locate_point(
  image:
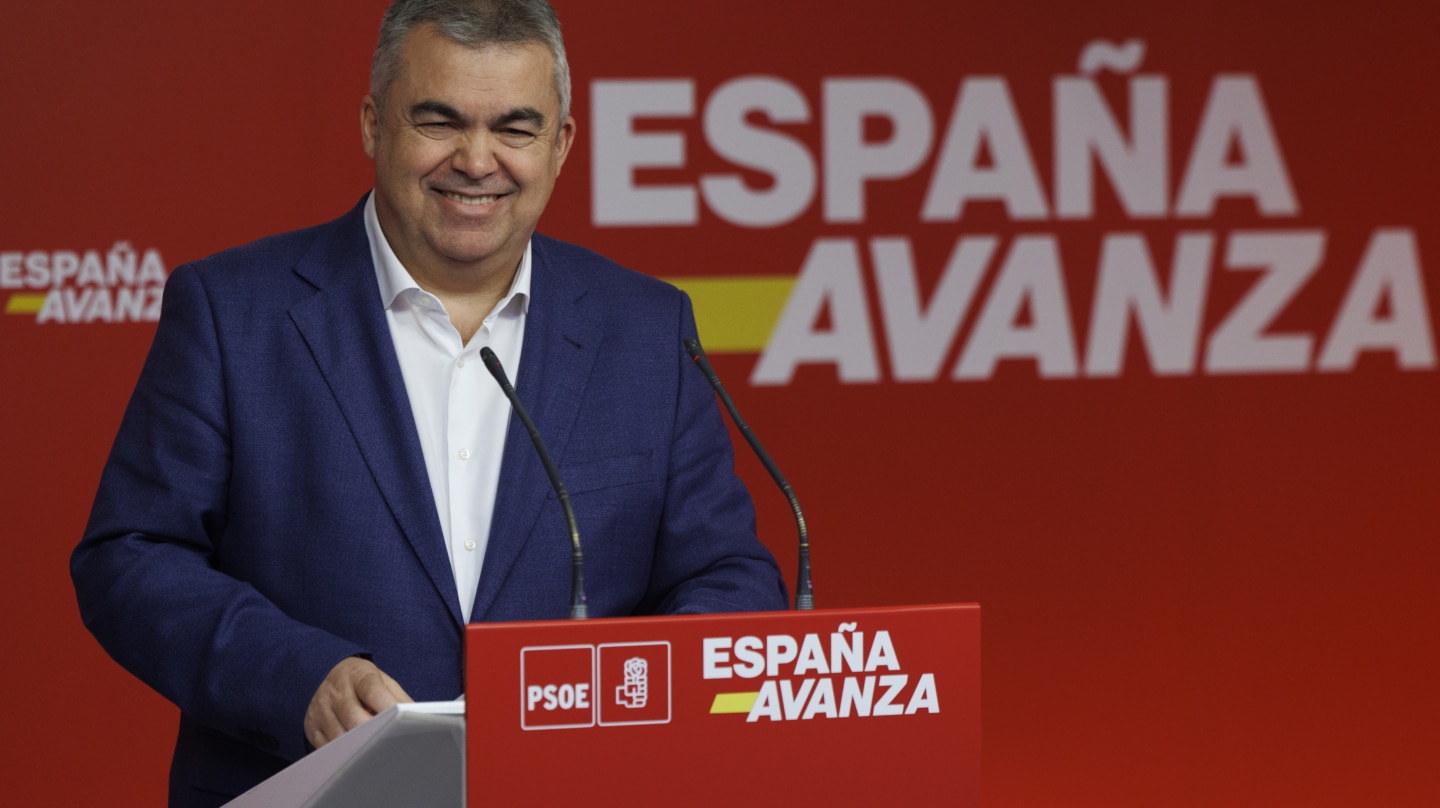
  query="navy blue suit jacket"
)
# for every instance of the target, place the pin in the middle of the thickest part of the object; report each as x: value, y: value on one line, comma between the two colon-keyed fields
x: 265, y: 511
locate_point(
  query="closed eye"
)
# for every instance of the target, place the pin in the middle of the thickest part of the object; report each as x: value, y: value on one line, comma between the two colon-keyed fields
x: 434, y: 117
x: 516, y: 138
x: 436, y: 129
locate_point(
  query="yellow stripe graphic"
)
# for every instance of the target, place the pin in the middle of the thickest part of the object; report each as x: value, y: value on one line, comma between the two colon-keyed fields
x: 736, y: 314
x: 733, y: 702
x: 25, y: 304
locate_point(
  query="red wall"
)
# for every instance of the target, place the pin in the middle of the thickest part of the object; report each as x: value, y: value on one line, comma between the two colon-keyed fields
x: 1204, y: 583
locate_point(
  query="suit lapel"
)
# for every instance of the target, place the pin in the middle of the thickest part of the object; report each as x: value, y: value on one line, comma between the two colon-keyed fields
x: 344, y: 325
x: 559, y: 350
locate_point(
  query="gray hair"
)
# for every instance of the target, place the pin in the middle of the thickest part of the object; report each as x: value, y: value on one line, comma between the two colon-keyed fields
x: 476, y: 23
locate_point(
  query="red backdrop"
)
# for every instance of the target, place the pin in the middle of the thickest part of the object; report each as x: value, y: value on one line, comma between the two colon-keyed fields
x: 1137, y: 352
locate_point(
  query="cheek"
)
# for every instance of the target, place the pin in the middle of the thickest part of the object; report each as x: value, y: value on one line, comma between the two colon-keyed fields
x: 539, y: 172
x: 413, y: 160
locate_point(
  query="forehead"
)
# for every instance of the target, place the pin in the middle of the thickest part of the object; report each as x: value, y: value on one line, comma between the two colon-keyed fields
x: 437, y: 68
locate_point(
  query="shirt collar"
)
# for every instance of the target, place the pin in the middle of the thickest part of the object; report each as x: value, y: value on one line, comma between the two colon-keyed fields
x: 394, y: 279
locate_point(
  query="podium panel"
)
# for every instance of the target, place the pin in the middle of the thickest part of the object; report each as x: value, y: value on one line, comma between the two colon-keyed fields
x: 839, y: 707
x: 411, y: 754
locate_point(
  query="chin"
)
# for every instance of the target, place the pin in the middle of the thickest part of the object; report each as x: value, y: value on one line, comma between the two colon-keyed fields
x: 470, y: 253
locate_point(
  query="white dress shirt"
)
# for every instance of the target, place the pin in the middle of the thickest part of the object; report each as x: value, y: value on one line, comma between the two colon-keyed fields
x: 460, y: 412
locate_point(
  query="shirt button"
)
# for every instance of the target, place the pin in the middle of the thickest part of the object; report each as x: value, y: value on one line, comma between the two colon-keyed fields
x: 460, y: 363
x: 469, y: 545
x: 464, y: 454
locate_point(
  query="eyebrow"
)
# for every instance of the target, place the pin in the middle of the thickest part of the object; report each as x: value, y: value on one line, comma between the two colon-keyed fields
x: 440, y: 108
x: 520, y: 115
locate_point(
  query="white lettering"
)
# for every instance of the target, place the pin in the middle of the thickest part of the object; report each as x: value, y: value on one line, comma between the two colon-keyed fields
x: 882, y: 654
x: 779, y: 649
x: 618, y: 150
x: 893, y: 684
x: 92, y: 270
x: 52, y: 310
x: 777, y: 155
x: 1238, y: 344
x: 851, y: 160
x: 855, y: 697
x: 822, y: 702
x: 984, y: 116
x: 557, y: 697
x: 767, y: 704
x: 1169, y: 329
x: 919, y: 340
x: 750, y: 660
x: 846, y: 655
x: 99, y: 309
x: 155, y: 295
x: 37, y: 269
x: 1030, y: 280
x: 1236, y: 114
x: 829, y: 281
x: 924, y: 698
x: 716, y: 654
x: 812, y: 657
x: 152, y: 269
x: 120, y: 264
x: 791, y: 700
x: 130, y: 303
x: 1389, y: 276
x: 66, y: 264
x: 1138, y: 170
x: 10, y: 266
x: 76, y: 302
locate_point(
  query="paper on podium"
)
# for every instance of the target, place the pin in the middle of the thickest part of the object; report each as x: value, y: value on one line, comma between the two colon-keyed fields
x: 409, y: 755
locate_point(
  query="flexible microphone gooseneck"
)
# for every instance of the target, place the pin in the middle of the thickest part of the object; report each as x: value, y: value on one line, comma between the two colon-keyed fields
x: 804, y: 597
x: 578, y: 609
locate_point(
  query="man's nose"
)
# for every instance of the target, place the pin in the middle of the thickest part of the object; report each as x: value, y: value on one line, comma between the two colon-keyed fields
x: 474, y: 155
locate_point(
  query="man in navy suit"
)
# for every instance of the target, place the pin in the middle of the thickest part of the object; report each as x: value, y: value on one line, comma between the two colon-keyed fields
x: 316, y: 484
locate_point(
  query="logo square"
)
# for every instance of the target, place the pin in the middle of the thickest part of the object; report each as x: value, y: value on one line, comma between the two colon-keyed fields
x: 557, y: 687
x: 633, y: 683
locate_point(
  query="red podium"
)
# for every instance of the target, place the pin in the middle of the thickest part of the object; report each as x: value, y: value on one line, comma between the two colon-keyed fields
x: 832, y: 707
x: 836, y: 707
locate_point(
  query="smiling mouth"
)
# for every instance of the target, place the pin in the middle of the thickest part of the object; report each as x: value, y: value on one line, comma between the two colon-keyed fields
x: 471, y: 200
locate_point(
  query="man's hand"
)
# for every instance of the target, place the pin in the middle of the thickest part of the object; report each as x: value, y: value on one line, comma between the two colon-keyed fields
x: 352, y: 692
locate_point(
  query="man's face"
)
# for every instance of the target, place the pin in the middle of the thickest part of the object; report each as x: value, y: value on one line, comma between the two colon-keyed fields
x: 466, y: 155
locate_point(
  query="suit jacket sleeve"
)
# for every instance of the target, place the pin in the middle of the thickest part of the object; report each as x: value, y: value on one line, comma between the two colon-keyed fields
x: 144, y: 571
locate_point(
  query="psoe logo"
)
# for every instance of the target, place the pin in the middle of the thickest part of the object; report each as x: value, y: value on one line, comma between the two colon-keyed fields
x: 611, y: 684
x: 70, y: 287
x: 804, y: 678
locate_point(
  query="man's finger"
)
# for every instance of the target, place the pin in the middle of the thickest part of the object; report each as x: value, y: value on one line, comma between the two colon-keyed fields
x: 378, y: 692
x: 352, y: 693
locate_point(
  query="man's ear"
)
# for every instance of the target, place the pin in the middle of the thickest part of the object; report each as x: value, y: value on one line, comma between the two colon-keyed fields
x: 564, y: 139
x: 369, y: 125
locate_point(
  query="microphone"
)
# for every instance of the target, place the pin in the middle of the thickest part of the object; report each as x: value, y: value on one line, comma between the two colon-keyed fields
x: 804, y: 597
x: 578, y: 610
